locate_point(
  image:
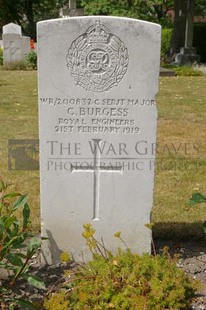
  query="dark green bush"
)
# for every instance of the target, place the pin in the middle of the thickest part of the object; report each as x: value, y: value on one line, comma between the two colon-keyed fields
x: 1, y: 56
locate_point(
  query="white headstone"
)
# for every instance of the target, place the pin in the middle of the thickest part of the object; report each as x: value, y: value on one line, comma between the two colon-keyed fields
x: 12, y: 28
x: 25, y: 46
x: 15, y: 46
x: 97, y: 116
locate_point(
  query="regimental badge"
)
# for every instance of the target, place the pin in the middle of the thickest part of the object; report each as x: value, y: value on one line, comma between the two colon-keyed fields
x: 97, y: 59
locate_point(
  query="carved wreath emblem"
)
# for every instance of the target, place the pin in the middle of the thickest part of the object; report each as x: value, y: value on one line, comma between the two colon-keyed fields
x: 97, y: 59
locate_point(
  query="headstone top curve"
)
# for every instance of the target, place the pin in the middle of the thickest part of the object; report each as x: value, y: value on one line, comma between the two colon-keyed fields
x: 12, y: 28
x: 93, y: 17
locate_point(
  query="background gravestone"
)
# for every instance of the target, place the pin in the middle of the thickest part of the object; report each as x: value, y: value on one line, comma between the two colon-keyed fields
x: 97, y: 117
x: 15, y: 46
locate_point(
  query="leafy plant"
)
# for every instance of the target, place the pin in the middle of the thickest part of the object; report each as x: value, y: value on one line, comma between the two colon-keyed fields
x: 15, y: 251
x: 31, y: 60
x: 196, y: 199
x: 124, y: 281
x: 1, y: 56
x: 57, y: 301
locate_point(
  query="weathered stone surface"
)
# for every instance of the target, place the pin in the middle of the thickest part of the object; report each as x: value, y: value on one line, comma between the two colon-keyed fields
x: 98, y: 77
x: 12, y: 29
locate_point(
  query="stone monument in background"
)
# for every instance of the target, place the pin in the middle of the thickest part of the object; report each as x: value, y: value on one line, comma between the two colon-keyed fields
x: 71, y: 10
x: 97, y: 130
x: 188, y: 54
x: 15, y: 46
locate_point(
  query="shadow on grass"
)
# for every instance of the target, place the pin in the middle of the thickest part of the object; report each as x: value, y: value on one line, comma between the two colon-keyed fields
x: 178, y: 231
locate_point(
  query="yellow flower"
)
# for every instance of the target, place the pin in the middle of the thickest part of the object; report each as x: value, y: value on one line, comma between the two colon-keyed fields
x: 65, y: 257
x: 88, y: 232
x: 117, y: 234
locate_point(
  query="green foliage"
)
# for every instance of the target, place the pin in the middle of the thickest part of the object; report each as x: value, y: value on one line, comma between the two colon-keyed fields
x: 165, y: 41
x: 58, y: 301
x: 27, y: 12
x: 184, y: 70
x: 124, y: 281
x: 1, y: 56
x: 31, y: 60
x: 13, y: 237
x: 196, y: 198
x: 200, y: 7
x: 107, y: 7
x: 187, y: 71
x: 152, y: 10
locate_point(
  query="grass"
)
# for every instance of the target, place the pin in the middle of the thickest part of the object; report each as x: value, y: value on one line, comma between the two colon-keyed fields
x: 19, y: 120
x: 181, y: 148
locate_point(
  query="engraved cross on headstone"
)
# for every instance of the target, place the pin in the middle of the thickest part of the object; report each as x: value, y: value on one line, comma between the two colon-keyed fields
x: 11, y: 49
x: 96, y: 170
